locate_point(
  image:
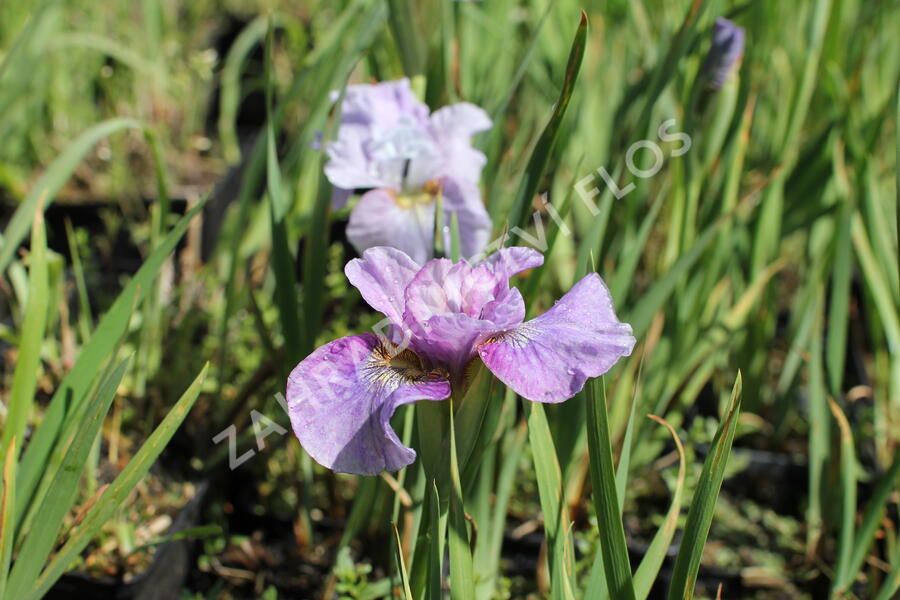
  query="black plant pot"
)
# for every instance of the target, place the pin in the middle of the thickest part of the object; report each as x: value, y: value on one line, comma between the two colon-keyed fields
x: 163, y: 579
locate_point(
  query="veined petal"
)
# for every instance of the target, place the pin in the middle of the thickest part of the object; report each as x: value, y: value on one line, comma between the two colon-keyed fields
x: 341, y: 399
x: 381, y: 276
x: 549, y: 358
x: 380, y: 220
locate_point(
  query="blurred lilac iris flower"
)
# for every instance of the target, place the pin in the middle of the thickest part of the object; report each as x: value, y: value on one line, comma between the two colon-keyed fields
x: 724, y: 54
x: 443, y: 316
x: 388, y: 143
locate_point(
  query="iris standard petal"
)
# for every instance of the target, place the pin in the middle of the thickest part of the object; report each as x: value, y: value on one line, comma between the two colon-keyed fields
x: 442, y: 287
x: 453, y: 127
x: 549, y: 358
x: 507, y: 262
x: 377, y: 123
x: 349, y: 165
x: 380, y: 105
x: 462, y: 119
x: 445, y: 311
x: 381, y: 218
x: 341, y: 399
x: 381, y: 276
x: 506, y: 311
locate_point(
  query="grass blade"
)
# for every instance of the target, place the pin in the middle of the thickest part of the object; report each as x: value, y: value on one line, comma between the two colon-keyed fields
x: 282, y: 259
x: 550, y: 490
x: 877, y: 282
x: 112, y: 327
x: 687, y: 563
x: 648, y: 570
x: 897, y: 188
x: 7, y: 514
x: 85, y: 323
x: 435, y: 558
x: 462, y: 580
x: 819, y: 435
x: 662, y: 288
x: 603, y: 479
x: 44, y: 190
x: 839, y: 307
x: 401, y: 565
x: 771, y: 212
x: 454, y: 238
x: 625, y: 457
x: 512, y: 455
x: 541, y: 154
x: 532, y: 285
x: 118, y: 491
x: 891, y: 583
x: 25, y: 376
x: 316, y: 256
x: 407, y: 34
x: 63, y: 493
x: 848, y: 500
x: 230, y: 98
x: 872, y: 519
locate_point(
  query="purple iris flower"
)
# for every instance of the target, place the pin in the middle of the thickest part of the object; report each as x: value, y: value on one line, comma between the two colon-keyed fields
x: 724, y: 54
x: 388, y: 143
x: 442, y: 317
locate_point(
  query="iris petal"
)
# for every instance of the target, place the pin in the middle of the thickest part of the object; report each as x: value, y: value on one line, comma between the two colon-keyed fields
x: 341, y: 399
x: 464, y: 199
x: 549, y: 358
x: 380, y: 220
x: 381, y: 276
x: 506, y: 311
x: 507, y: 262
x: 445, y: 303
x: 370, y: 115
x: 453, y: 127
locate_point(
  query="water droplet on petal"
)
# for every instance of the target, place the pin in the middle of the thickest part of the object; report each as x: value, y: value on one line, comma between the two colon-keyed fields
x: 570, y: 371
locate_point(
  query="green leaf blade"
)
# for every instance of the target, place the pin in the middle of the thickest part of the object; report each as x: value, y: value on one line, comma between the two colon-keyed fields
x: 603, y: 479
x: 41, y: 537
x: 687, y: 563
x: 118, y: 491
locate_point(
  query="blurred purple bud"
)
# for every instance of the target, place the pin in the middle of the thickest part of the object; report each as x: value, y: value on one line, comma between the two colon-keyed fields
x: 724, y: 54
